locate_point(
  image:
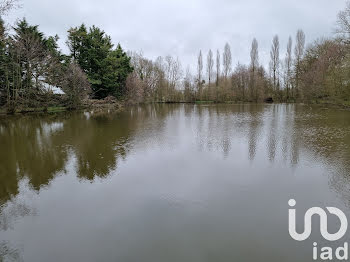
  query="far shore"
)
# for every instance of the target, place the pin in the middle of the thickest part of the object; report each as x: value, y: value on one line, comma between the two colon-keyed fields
x: 114, y: 105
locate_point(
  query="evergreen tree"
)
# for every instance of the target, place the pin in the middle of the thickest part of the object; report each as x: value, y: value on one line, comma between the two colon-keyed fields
x: 33, y: 56
x: 107, y: 69
x: 115, y: 72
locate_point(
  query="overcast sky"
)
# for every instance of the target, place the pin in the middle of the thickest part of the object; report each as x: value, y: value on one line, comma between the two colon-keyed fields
x: 183, y: 27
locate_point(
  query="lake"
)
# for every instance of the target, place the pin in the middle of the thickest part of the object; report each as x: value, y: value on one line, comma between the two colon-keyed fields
x: 175, y: 182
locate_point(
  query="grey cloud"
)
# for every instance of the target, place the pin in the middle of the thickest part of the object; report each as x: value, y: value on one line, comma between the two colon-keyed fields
x: 183, y: 27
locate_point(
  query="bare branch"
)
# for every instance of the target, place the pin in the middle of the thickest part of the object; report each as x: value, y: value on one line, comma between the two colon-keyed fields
x: 7, y: 5
x: 210, y: 65
x: 227, y: 60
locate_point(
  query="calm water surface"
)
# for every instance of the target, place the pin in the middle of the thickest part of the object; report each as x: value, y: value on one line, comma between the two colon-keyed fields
x: 170, y: 183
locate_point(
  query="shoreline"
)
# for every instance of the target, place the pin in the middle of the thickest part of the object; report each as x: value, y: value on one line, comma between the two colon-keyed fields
x: 114, y: 105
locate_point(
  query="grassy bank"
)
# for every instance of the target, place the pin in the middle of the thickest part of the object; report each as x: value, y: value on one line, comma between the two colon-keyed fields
x: 114, y: 105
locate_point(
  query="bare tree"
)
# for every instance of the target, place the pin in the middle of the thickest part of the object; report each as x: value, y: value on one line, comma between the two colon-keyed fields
x: 288, y: 67
x: 227, y: 60
x: 275, y: 60
x: 210, y: 65
x: 254, y: 64
x: 75, y: 85
x: 188, y: 86
x: 344, y: 23
x: 241, y: 81
x: 167, y: 66
x: 7, y: 5
x: 173, y: 71
x: 298, y: 52
x: 176, y: 72
x: 199, y: 69
x: 188, y: 78
x: 36, y: 61
x: 145, y: 79
x: 254, y: 55
x: 217, y: 67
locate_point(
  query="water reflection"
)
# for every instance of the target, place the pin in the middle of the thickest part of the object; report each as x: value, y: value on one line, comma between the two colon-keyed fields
x: 9, y: 253
x: 38, y: 148
x: 35, y: 150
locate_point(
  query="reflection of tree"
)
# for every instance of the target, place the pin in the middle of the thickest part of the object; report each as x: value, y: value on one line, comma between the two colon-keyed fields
x: 326, y: 135
x: 100, y: 143
x: 271, y: 138
x: 11, y: 211
x: 32, y: 150
x: 254, y: 126
x: 217, y: 125
x: 285, y: 131
x: 38, y: 148
x: 8, y: 253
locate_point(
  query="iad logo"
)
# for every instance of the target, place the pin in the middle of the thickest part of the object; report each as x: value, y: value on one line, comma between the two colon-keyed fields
x: 341, y: 253
x: 323, y: 223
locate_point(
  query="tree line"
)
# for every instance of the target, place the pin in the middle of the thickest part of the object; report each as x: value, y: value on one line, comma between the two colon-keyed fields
x: 252, y: 83
x: 164, y: 79
x: 316, y: 73
x: 32, y: 66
